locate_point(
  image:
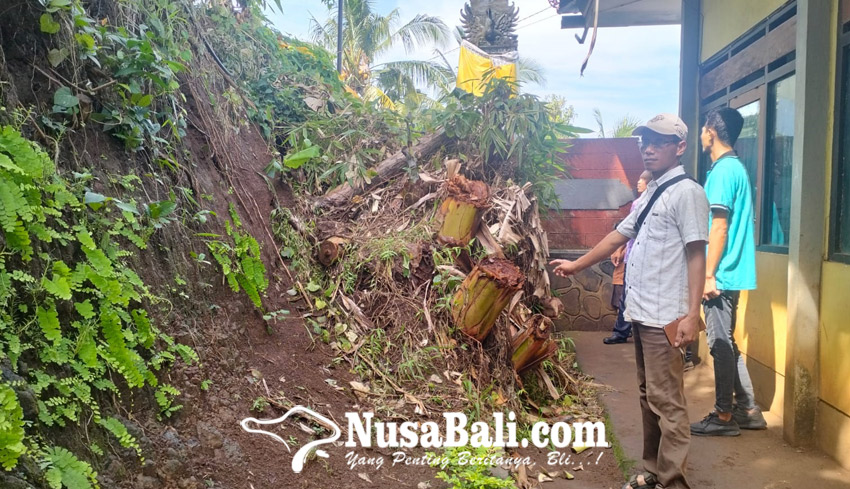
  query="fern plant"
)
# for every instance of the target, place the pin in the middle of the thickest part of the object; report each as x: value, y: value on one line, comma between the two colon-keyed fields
x: 240, y: 262
x: 63, y: 469
x: 11, y: 428
x: 71, y: 306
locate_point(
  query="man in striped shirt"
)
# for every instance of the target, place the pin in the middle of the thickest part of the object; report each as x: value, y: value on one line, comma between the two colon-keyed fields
x: 665, y: 280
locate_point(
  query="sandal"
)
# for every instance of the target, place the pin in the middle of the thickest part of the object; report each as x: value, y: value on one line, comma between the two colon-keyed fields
x: 649, y: 481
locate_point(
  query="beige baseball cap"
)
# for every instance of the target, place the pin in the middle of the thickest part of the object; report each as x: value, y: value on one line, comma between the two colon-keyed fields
x: 665, y: 124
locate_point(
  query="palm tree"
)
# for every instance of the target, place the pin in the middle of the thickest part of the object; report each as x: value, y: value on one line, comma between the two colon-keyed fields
x: 530, y: 71
x: 623, y: 127
x: 368, y: 35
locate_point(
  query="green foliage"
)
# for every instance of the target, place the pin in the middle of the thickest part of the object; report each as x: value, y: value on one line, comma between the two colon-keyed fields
x: 467, y: 475
x: 143, y: 104
x: 120, y: 432
x: 259, y: 404
x: 165, y: 395
x: 274, y: 70
x: 11, y: 428
x: 622, y: 128
x: 240, y: 261
x: 558, y: 109
x: 63, y: 469
x: 65, y: 102
x: 446, y: 277
x: 293, y: 243
x: 348, y: 142
x: 511, y: 135
x: 337, y: 137
x: 368, y: 35
x: 378, y: 259
x: 69, y: 304
x: 160, y: 213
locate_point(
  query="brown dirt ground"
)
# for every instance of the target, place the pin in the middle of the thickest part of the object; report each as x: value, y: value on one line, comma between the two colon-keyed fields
x: 202, y: 445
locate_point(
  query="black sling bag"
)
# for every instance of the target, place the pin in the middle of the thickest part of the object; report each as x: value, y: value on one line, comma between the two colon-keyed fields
x: 658, y: 192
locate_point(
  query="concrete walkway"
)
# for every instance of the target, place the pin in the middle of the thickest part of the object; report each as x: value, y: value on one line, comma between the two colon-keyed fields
x: 754, y: 460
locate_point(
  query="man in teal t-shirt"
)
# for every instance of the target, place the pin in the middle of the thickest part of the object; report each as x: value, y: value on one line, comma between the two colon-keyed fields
x: 730, y: 268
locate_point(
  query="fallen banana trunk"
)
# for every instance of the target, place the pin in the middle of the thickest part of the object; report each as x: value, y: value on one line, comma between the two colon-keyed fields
x: 533, y: 344
x: 427, y: 146
x: 461, y: 210
x: 331, y: 249
x: 483, y: 294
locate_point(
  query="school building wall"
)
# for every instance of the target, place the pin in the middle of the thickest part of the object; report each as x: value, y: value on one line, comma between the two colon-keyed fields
x: 762, y: 330
x: 725, y: 20
x: 763, y: 325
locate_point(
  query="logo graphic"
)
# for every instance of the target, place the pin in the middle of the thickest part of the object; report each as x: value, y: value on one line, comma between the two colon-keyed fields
x: 301, y: 455
x: 456, y: 432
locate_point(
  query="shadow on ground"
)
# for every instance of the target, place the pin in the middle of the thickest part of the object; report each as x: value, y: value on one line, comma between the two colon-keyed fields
x: 754, y: 460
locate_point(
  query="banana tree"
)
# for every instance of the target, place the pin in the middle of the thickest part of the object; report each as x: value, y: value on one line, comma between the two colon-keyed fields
x: 461, y: 210
x: 483, y: 294
x: 533, y: 344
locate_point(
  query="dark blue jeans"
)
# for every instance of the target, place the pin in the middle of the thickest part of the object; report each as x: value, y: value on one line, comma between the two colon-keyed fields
x: 731, y: 378
x: 622, y: 328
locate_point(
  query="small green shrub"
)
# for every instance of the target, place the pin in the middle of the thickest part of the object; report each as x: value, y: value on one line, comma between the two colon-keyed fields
x: 63, y: 469
x: 240, y: 262
x: 470, y: 475
x: 11, y: 428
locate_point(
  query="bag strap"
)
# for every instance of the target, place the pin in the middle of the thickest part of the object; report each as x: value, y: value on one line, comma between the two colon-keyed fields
x: 658, y: 192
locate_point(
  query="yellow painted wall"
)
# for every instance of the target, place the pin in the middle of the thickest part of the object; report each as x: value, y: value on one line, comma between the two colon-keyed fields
x: 723, y: 21
x: 834, y: 433
x: 833, y: 414
x: 761, y: 332
x: 835, y: 336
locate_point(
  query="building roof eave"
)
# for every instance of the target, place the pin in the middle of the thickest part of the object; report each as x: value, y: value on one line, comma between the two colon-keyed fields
x: 577, y: 14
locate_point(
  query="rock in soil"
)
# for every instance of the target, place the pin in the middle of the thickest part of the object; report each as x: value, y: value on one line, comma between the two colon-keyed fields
x: 210, y: 437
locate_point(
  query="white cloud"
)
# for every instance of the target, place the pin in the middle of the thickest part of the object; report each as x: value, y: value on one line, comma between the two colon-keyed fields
x: 633, y: 70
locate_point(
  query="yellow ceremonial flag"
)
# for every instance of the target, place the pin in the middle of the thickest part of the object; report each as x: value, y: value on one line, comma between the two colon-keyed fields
x: 475, y: 67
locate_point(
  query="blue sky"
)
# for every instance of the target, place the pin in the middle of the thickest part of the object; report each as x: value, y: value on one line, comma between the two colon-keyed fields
x: 633, y: 70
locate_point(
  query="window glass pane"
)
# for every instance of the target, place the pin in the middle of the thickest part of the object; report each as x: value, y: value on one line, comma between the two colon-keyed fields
x: 843, y: 212
x: 777, y: 174
x: 704, y: 164
x: 747, y: 146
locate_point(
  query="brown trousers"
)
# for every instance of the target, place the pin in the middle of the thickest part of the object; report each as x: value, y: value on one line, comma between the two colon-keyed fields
x: 666, y: 429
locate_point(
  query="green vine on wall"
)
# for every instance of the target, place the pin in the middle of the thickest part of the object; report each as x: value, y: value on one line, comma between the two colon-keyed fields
x: 72, y: 309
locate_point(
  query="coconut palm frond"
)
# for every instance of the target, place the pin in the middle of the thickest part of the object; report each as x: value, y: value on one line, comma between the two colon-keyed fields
x: 395, y: 84
x: 323, y: 34
x: 372, y: 34
x: 597, y: 116
x: 425, y: 73
x: 530, y: 71
x: 623, y: 127
x: 421, y: 30
x: 459, y: 34
x: 446, y: 63
x: 368, y: 34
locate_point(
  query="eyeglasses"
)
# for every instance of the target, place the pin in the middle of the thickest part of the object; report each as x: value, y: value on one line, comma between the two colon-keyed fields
x: 657, y: 143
